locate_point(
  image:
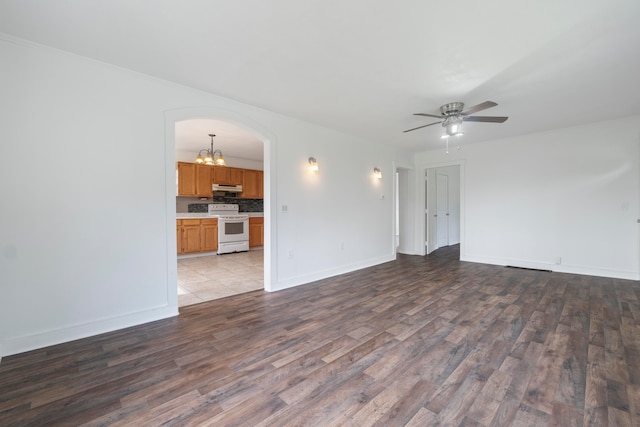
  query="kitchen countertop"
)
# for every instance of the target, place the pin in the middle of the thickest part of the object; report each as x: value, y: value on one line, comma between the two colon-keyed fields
x: 198, y: 215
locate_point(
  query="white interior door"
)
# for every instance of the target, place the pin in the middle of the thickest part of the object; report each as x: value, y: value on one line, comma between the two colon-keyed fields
x: 442, y: 210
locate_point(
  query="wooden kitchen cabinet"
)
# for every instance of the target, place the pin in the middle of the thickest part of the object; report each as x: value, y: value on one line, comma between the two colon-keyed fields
x: 227, y: 175
x: 208, y: 235
x: 194, y: 180
x: 256, y: 232
x: 203, y: 180
x: 186, y: 179
x: 179, y: 236
x: 252, y: 184
x: 190, y: 236
x: 196, y: 235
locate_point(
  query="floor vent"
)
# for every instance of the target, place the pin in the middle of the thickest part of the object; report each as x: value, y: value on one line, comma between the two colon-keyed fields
x: 532, y: 269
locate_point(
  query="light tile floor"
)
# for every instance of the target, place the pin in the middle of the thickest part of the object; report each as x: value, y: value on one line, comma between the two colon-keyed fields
x: 217, y: 276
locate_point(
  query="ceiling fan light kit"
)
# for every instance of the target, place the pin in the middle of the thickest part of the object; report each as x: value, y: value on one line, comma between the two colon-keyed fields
x: 453, y: 126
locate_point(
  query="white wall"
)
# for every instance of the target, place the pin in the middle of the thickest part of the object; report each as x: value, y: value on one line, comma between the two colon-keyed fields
x: 87, y: 232
x: 337, y: 219
x: 570, y: 193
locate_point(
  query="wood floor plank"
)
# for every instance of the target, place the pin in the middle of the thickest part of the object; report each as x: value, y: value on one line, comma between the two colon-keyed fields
x: 541, y: 390
x: 528, y: 416
x: 633, y: 391
x: 564, y: 415
x: 419, y: 341
x: 596, y: 403
x: 486, y: 405
x: 422, y: 418
x: 458, y: 406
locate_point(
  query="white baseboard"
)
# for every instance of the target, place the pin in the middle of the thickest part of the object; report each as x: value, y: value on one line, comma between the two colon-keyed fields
x: 562, y: 268
x: 21, y: 344
x: 308, y: 278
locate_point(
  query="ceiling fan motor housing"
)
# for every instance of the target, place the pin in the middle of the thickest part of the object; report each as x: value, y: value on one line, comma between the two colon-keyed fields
x: 452, y: 108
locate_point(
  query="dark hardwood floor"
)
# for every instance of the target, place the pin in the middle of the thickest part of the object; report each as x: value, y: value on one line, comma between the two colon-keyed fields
x: 420, y: 341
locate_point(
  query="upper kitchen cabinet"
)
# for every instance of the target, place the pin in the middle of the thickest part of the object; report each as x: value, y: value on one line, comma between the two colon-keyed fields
x: 227, y: 175
x: 252, y: 184
x: 194, y: 180
x: 203, y: 180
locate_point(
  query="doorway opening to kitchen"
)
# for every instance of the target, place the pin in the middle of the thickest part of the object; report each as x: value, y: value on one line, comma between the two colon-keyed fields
x: 217, y: 205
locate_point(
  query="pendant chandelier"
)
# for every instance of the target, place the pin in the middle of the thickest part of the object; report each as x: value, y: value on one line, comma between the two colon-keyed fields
x: 211, y: 157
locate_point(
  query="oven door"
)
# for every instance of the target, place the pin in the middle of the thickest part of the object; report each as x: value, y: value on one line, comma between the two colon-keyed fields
x: 233, y: 230
x: 233, y: 235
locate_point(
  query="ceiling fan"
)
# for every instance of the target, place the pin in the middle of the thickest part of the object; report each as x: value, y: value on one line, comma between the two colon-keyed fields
x: 453, y: 114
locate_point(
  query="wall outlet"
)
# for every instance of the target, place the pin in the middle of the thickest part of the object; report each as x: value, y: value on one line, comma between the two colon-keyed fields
x: 341, y: 246
x: 558, y: 260
x: 290, y: 253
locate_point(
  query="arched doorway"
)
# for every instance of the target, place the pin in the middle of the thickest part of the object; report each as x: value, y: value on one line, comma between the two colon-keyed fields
x: 172, y: 118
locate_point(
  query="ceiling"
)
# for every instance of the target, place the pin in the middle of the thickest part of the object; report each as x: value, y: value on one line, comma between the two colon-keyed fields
x: 232, y: 140
x: 365, y: 66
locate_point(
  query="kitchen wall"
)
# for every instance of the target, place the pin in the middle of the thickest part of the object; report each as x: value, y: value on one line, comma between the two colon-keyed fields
x: 565, y: 200
x: 236, y: 162
x: 73, y: 128
x: 196, y: 204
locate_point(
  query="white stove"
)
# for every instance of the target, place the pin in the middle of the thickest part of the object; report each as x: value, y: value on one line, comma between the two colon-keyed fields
x: 233, y: 228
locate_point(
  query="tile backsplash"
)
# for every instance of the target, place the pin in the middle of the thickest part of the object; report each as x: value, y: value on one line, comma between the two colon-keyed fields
x: 194, y: 204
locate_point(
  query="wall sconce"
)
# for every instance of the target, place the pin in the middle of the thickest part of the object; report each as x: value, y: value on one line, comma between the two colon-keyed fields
x: 377, y: 173
x: 313, y: 164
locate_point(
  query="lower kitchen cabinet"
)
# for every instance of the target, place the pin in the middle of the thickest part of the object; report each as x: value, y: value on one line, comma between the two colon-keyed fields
x: 190, y: 236
x: 256, y: 232
x: 196, y: 235
x: 208, y: 235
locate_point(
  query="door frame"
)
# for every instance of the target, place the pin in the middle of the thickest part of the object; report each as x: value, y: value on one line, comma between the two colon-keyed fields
x: 403, y: 188
x: 420, y: 223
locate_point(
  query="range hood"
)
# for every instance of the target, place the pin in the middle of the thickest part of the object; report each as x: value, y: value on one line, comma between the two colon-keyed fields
x: 228, y: 188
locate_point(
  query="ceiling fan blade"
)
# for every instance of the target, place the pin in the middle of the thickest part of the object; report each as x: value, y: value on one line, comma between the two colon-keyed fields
x: 488, y: 119
x: 479, y: 107
x: 420, y: 127
x: 428, y: 115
